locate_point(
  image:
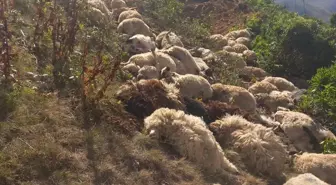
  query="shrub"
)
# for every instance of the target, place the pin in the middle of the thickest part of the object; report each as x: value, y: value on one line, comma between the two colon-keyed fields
x: 329, y: 146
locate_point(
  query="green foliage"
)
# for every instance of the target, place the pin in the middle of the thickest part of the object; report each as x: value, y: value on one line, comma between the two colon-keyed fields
x: 168, y: 14
x: 321, y: 96
x: 333, y: 20
x: 329, y: 146
x: 288, y: 44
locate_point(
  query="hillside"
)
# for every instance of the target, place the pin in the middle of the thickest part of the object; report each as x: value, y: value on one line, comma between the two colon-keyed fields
x: 165, y: 92
x: 318, y: 9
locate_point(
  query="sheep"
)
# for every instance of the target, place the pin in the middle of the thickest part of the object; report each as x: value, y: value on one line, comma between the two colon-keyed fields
x: 131, y: 68
x: 190, y: 85
x: 262, y: 87
x: 170, y: 39
x: 234, y: 95
x: 145, y: 96
x: 116, y: 4
x: 99, y: 5
x: 201, y: 64
x: 180, y: 68
x: 245, y: 41
x: 134, y: 26
x: 148, y: 72
x: 239, y: 48
x: 166, y: 39
x: 281, y: 83
x: 231, y: 43
x: 297, y: 95
x: 231, y: 59
x: 189, y: 137
x: 249, y: 73
x: 159, y: 60
x: 206, y: 54
x: 139, y: 44
x: 218, y: 41
x: 305, y: 179
x: 95, y: 15
x: 128, y: 14
x: 250, y: 56
x: 322, y: 166
x: 260, y: 149
x: 185, y: 57
x: 228, y: 49
x: 238, y: 33
x: 275, y: 99
x: 302, y: 130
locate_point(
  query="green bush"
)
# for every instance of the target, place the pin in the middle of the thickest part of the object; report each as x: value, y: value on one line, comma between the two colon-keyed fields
x: 329, y: 146
x: 333, y: 20
x: 321, y: 97
x: 288, y: 44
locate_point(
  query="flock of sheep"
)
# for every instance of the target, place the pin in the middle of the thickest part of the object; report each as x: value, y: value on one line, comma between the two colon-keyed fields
x: 175, y: 91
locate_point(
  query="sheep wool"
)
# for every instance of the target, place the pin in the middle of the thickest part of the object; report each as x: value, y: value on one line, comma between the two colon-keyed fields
x: 234, y: 95
x: 129, y: 14
x: 115, y: 4
x: 140, y: 44
x: 239, y: 48
x: 245, y: 41
x: 228, y: 49
x: 133, y: 26
x: 232, y: 59
x: 185, y: 57
x: 131, y: 68
x: 190, y: 137
x: 305, y: 179
x: 253, y: 72
x: 250, y: 55
x: 231, y: 43
x: 302, y: 130
x: 260, y: 149
x: 281, y: 83
x: 262, y: 87
x: 170, y: 39
x: 148, y: 72
x: 322, y: 166
x: 218, y: 41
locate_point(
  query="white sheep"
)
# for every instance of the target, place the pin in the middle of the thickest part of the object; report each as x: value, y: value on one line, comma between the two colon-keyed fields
x: 275, y: 99
x: 262, y: 87
x: 228, y: 49
x: 231, y: 43
x: 180, y: 68
x: 253, y: 72
x: 231, y: 59
x: 190, y: 137
x: 99, y: 4
x: 140, y: 44
x: 302, y: 130
x: 239, y: 48
x: 245, y: 41
x: 158, y: 59
x: 131, y: 68
x: 322, y: 166
x: 133, y: 26
x: 201, y: 64
x: 148, y: 72
x: 115, y: 4
x: 305, y: 179
x: 185, y: 57
x: 238, y: 33
x: 218, y: 41
x: 250, y: 56
x: 190, y: 85
x: 260, y: 149
x: 170, y: 39
x: 96, y: 15
x: 128, y: 14
x: 206, y: 54
x: 281, y: 83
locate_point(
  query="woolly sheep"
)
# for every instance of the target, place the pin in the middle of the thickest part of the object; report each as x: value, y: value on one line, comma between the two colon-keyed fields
x: 234, y: 95
x: 166, y: 39
x: 275, y: 99
x: 262, y: 87
x: 133, y: 26
x: 305, y: 179
x: 116, y: 4
x: 160, y: 60
x: 190, y: 137
x: 190, y: 85
x: 281, y: 83
x: 231, y: 59
x: 206, y: 54
x: 231, y: 43
x: 180, y: 68
x: 228, y: 49
x: 185, y: 57
x: 238, y: 33
x: 260, y: 149
x: 140, y: 44
x: 239, y: 48
x: 250, y: 72
x: 145, y: 96
x: 322, y: 166
x: 128, y: 14
x: 245, y: 41
x: 201, y: 64
x: 218, y: 41
x: 99, y: 5
x: 302, y: 130
x: 170, y: 39
x: 96, y: 15
x: 250, y: 56
x: 131, y: 68
x: 148, y: 72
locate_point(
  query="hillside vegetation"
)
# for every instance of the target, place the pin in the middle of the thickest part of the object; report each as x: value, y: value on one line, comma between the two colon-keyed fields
x: 70, y: 112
